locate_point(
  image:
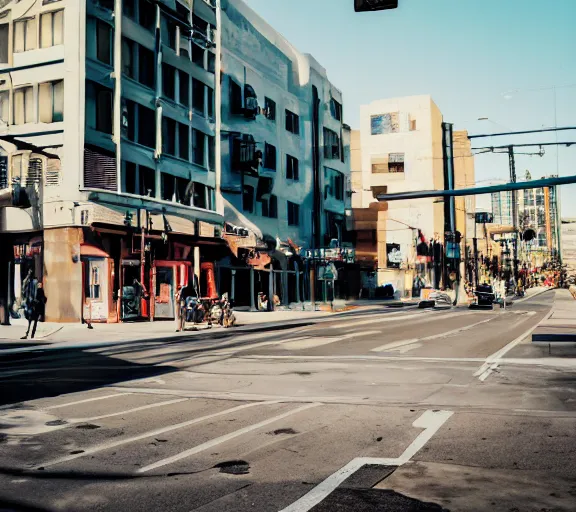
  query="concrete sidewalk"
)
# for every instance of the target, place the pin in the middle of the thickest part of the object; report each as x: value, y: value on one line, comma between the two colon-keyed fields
x: 561, y: 325
x: 49, y: 332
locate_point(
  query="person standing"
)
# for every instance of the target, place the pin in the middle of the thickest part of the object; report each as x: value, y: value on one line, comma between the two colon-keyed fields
x: 35, y: 306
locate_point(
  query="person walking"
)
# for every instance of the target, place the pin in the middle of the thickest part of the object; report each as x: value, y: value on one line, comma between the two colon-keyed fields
x: 35, y: 306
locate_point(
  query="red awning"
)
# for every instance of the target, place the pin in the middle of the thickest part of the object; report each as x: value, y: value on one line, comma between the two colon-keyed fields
x: 92, y: 250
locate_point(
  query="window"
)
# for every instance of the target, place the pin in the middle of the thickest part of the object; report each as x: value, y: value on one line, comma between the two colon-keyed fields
x: 24, y: 105
x: 198, y: 55
x: 183, y: 11
x: 184, y: 86
x: 334, y: 184
x: 384, y: 123
x: 146, y: 66
x: 412, y: 123
x: 51, y: 28
x: 169, y: 136
x: 396, y: 162
x: 167, y: 187
x: 248, y: 199
x: 292, y: 122
x: 98, y: 107
x: 335, y: 109
x: 168, y: 33
x: 168, y: 81
x: 51, y: 102
x: 211, y: 198
x: 331, y: 144
x: 210, y: 102
x: 129, y: 9
x: 270, y: 156
x: 103, y: 42
x: 211, y: 153
x: 198, y: 144
x: 130, y: 179
x: 94, y: 285
x: 5, y: 106
x: 198, y: 96
x: 139, y: 180
x: 199, y: 195
x: 128, y: 48
x: 147, y: 15
x: 147, y: 181
x: 146, y: 126
x: 24, y: 35
x: 270, y: 207
x: 4, y: 43
x: 183, y: 191
x: 291, y: 168
x: 270, y: 109
x: 235, y: 98
x: 211, y: 63
x: 183, y: 141
x: 293, y: 214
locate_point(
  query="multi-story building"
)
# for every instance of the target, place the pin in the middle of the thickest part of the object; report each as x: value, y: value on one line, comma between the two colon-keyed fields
x: 399, y: 148
x: 109, y: 157
x: 111, y: 148
x: 285, y: 172
x: 538, y: 209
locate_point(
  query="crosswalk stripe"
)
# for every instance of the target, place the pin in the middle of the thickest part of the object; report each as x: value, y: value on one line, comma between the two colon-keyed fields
x: 222, y: 439
x: 151, y: 433
x: 84, y: 401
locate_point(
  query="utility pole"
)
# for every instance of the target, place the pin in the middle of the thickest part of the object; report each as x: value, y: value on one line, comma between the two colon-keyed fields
x: 512, y: 164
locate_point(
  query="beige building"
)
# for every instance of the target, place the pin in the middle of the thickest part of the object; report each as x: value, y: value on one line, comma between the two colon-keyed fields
x: 397, y: 149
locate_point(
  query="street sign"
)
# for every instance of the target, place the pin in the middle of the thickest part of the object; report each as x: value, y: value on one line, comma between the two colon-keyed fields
x: 484, y: 218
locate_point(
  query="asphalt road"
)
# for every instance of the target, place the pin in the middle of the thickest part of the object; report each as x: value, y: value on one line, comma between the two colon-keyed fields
x: 399, y: 410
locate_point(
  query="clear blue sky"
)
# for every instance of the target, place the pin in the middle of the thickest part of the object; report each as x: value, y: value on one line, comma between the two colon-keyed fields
x: 477, y: 58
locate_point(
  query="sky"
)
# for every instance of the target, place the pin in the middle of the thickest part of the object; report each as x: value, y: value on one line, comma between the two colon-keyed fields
x: 511, y: 61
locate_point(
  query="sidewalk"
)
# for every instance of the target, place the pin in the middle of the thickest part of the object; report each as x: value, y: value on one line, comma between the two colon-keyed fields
x: 49, y: 332
x: 560, y: 326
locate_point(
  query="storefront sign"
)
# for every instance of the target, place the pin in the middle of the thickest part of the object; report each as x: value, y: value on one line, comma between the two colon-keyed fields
x: 393, y: 256
x: 205, y: 229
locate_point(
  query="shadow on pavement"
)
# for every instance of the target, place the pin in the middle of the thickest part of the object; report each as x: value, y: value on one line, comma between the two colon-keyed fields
x: 34, y: 375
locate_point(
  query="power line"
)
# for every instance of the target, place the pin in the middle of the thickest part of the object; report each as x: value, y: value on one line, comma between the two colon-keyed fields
x: 567, y: 144
x: 523, y: 132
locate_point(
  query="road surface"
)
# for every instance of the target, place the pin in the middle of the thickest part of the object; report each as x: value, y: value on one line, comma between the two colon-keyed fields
x: 395, y: 410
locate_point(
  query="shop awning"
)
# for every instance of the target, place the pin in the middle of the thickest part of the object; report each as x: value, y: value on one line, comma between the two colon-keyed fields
x: 93, y: 251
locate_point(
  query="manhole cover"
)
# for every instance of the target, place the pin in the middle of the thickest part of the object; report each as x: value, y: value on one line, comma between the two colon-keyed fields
x: 233, y: 467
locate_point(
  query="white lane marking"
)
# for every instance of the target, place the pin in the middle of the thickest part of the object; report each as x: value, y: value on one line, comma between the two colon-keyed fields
x: 84, y: 401
x: 128, y: 411
x: 430, y: 421
x: 312, y: 342
x: 494, y: 360
x: 370, y: 358
x: 381, y: 318
x: 402, y: 343
x: 222, y: 439
x: 151, y: 433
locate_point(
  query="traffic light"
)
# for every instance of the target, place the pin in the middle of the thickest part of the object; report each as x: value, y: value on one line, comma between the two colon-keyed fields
x: 374, y: 5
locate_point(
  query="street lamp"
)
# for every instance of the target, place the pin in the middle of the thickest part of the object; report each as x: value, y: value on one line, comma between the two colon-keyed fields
x: 374, y: 5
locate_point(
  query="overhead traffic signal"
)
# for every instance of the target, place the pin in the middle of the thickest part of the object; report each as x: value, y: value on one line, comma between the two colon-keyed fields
x: 374, y: 5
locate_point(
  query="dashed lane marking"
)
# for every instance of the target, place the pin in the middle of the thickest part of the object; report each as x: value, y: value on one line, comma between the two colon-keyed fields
x: 430, y: 421
x: 403, y: 343
x: 381, y: 318
x: 151, y: 433
x: 222, y: 439
x: 313, y: 342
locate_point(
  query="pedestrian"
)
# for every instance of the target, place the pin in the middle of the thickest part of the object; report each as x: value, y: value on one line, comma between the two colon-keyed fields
x: 35, y: 306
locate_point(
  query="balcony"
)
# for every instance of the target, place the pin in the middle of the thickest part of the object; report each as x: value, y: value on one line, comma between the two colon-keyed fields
x: 245, y: 157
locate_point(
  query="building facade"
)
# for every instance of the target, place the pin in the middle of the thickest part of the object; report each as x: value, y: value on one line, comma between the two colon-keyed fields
x: 285, y: 168
x: 109, y: 153
x: 132, y: 130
